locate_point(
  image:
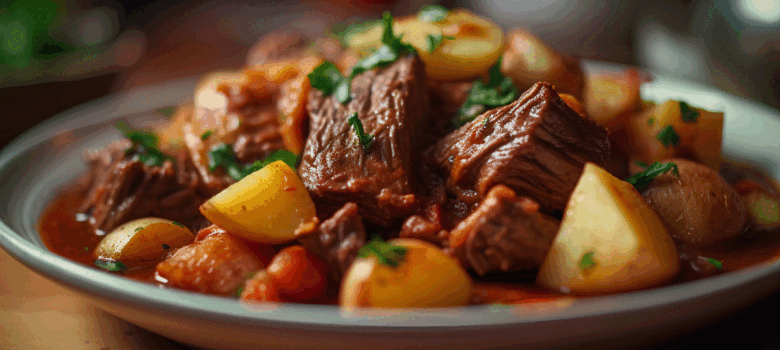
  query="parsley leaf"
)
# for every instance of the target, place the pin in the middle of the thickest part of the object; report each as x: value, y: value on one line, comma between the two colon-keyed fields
x: 165, y: 246
x: 499, y: 91
x: 222, y: 156
x: 179, y: 224
x: 586, y: 261
x: 432, y: 13
x: 366, y: 140
x: 650, y: 121
x: 643, y: 179
x: 343, y: 32
x: 668, y: 137
x: 386, y: 253
x: 688, y: 113
x: 144, y: 145
x: 110, y: 265
x: 328, y: 79
x: 715, y: 263
x: 435, y: 40
x: 284, y: 155
x: 205, y: 136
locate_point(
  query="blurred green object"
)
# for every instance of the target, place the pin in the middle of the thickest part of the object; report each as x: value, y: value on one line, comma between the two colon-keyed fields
x: 26, y: 29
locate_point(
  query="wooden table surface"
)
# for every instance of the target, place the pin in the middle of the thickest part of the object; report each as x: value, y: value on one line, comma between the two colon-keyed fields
x: 36, y: 313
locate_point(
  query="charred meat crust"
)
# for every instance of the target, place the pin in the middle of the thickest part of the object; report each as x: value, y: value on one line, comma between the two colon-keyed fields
x: 536, y: 145
x: 392, y: 104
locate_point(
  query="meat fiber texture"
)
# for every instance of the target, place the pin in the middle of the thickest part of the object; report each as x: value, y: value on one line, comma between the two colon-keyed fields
x: 536, y: 145
x: 505, y: 233
x: 336, y: 240
x: 392, y: 104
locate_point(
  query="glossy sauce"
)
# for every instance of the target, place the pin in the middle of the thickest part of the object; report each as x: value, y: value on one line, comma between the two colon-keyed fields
x: 65, y: 236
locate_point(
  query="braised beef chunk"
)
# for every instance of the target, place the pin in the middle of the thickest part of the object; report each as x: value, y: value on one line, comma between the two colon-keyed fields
x: 505, y: 233
x: 392, y: 104
x: 122, y: 188
x: 219, y: 263
x: 259, y: 135
x: 536, y: 145
x: 335, y: 240
x: 446, y: 99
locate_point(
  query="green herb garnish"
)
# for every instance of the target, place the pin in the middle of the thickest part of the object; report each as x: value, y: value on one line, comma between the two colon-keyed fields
x: 166, y: 111
x: 499, y: 91
x: 86, y: 249
x: 205, y: 136
x: 165, y: 246
x: 587, y: 261
x: 643, y: 179
x: 110, y: 265
x: 715, y: 263
x: 222, y: 156
x: 433, y: 13
x: 144, y: 145
x: 435, y: 40
x: 386, y: 253
x: 688, y: 113
x: 650, y: 121
x: 365, y: 140
x: 179, y: 224
x: 138, y: 229
x: 291, y: 159
x: 343, y: 32
x: 328, y: 79
x: 668, y: 137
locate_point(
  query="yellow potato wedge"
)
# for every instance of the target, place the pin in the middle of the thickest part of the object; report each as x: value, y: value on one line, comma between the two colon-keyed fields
x: 143, y: 242
x: 610, y: 240
x: 425, y: 277
x: 265, y: 206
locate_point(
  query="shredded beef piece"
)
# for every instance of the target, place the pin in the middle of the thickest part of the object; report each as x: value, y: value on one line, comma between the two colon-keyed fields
x: 259, y: 136
x: 392, y: 104
x: 505, y: 233
x: 336, y: 240
x: 218, y: 263
x: 122, y: 188
x: 536, y: 145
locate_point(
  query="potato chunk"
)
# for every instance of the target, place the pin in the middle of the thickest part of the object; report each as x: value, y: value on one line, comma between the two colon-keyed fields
x: 425, y: 277
x: 609, y: 240
x: 143, y: 242
x: 266, y: 206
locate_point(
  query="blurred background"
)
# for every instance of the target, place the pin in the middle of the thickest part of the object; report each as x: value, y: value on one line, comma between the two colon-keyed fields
x: 55, y: 54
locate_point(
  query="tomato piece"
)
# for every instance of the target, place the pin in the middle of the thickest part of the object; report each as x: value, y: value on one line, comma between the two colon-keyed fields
x: 299, y: 274
x: 261, y: 287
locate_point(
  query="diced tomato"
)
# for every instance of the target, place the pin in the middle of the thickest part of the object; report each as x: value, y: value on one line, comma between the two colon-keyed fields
x: 294, y: 275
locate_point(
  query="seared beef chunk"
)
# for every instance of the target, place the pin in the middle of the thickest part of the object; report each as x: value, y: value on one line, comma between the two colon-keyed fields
x: 536, y: 145
x: 505, y: 233
x: 426, y: 226
x: 217, y: 263
x: 392, y: 104
x: 259, y: 136
x: 336, y: 240
x: 122, y: 188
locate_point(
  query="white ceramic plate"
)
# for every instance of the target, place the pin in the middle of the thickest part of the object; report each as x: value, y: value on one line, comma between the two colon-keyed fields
x: 43, y: 160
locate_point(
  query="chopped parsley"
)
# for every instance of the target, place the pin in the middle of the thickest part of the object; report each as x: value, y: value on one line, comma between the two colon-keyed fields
x: 435, y: 40
x: 499, y: 91
x: 650, y: 121
x: 715, y: 263
x: 144, y: 145
x: 386, y: 253
x: 668, y: 137
x: 86, y: 249
x: 205, y: 136
x: 328, y: 79
x: 343, y: 32
x: 222, y: 156
x: 166, y: 111
x: 179, y: 224
x: 138, y: 229
x: 165, y: 246
x: 110, y: 265
x: 586, y: 261
x: 365, y: 140
x: 688, y: 113
x: 433, y: 13
x: 643, y: 179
